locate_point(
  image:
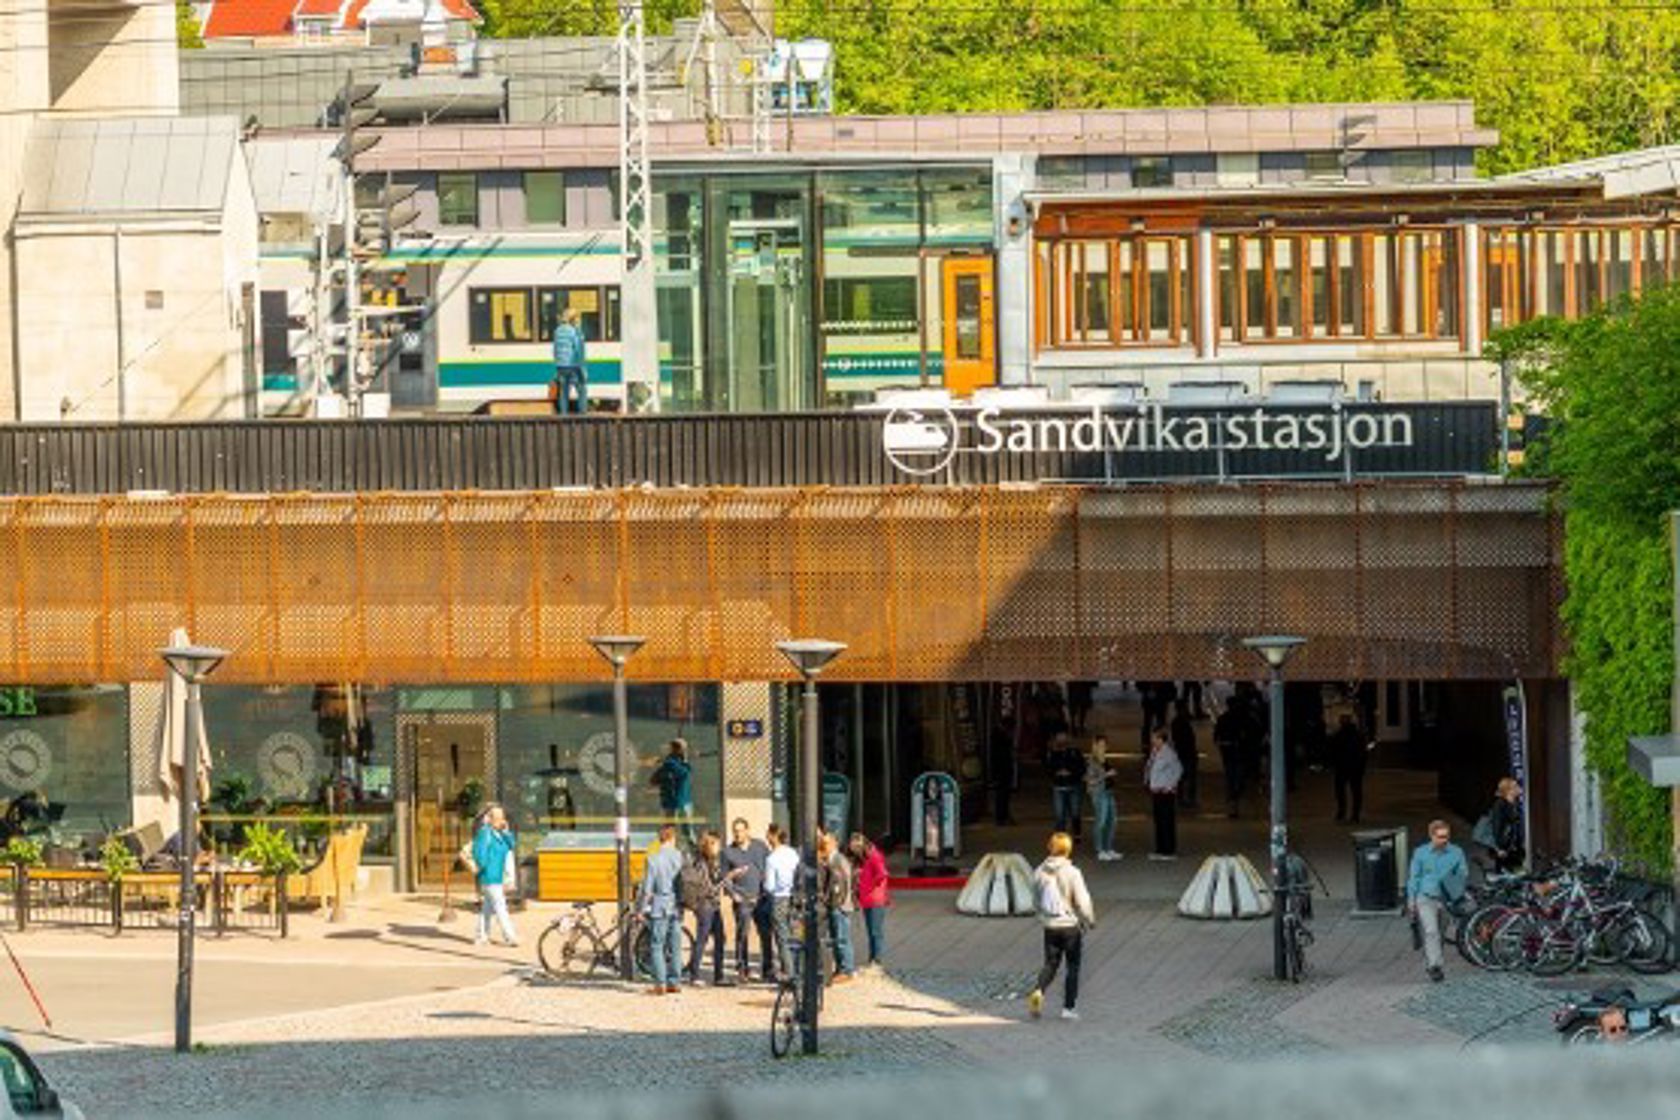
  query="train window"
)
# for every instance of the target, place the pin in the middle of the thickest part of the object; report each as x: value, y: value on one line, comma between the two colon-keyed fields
x: 597, y: 308
x: 457, y: 193
x: 545, y: 198
x: 499, y: 315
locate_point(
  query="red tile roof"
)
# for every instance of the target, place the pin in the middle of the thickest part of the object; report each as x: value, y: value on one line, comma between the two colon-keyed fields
x: 319, y: 7
x: 457, y: 9
x: 248, y: 18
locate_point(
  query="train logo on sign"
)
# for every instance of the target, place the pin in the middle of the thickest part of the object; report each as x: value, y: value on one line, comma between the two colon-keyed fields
x: 921, y: 440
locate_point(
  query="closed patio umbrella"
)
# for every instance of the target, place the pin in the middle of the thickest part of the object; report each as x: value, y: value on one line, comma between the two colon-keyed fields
x: 171, y: 739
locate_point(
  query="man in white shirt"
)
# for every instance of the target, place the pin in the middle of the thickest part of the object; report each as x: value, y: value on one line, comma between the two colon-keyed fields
x: 781, y: 873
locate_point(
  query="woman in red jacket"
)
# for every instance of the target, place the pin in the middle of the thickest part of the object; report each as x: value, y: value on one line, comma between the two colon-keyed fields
x: 872, y: 892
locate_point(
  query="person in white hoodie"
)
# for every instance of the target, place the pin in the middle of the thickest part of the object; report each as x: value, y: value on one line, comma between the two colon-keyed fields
x: 1064, y: 909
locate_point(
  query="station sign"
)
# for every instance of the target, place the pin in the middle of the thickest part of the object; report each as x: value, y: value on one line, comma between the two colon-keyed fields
x: 745, y: 728
x: 1155, y: 440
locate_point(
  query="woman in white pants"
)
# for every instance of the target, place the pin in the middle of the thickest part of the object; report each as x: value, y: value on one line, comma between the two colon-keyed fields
x: 492, y: 851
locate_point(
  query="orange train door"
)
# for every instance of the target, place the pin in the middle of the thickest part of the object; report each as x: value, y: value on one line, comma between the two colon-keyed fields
x: 970, y: 324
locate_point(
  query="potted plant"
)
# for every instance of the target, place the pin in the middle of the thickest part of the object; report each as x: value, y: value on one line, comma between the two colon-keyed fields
x: 270, y: 851
x: 21, y: 851
x: 116, y: 859
x: 233, y: 796
x: 471, y: 798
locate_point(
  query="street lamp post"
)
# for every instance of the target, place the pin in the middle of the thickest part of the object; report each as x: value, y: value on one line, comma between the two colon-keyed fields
x: 810, y: 656
x: 617, y: 649
x: 192, y: 664
x: 1275, y: 649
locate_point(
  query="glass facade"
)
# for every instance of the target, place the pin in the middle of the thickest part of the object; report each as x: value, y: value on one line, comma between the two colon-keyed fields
x: 64, y: 761
x: 783, y: 292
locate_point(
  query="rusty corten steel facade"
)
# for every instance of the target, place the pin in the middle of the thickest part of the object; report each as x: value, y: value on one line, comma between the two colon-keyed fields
x: 1453, y: 438
x: 1388, y: 580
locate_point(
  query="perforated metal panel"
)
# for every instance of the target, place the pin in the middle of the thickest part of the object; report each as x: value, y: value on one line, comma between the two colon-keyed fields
x: 1432, y: 580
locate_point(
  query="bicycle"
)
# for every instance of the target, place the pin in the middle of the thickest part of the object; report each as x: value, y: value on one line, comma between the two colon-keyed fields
x: 1574, y: 918
x: 574, y: 944
x: 1297, y: 889
x: 787, y: 1015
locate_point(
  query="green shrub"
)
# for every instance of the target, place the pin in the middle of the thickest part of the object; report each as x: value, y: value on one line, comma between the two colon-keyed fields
x: 269, y: 849
x: 117, y: 860
x: 20, y: 851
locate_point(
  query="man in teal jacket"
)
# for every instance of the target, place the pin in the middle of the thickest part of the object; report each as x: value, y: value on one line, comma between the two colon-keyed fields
x: 570, y: 365
x: 1438, y: 877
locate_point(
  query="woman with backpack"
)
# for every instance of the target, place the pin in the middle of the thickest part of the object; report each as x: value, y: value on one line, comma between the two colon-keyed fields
x: 1161, y: 775
x: 701, y: 885
x: 1064, y: 909
x: 1500, y: 830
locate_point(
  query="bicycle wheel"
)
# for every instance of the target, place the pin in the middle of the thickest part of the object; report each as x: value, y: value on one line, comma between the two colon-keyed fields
x: 784, y: 1021
x: 1641, y: 941
x: 642, y: 950
x: 1587, y: 1034
x: 1475, y: 936
x: 1561, y: 947
x: 1510, y: 940
x: 1292, y: 957
x: 566, y: 952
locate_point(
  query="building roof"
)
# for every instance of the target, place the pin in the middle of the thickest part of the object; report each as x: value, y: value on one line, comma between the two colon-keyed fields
x: 296, y: 175
x: 130, y: 166
x: 361, y: 12
x: 243, y: 19
x: 1624, y: 175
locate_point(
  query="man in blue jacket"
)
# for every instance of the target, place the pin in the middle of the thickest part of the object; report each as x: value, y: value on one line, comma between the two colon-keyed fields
x: 1438, y: 877
x: 570, y: 365
x: 663, y: 910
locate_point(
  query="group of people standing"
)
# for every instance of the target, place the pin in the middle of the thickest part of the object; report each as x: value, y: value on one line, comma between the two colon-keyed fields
x: 1085, y: 777
x: 757, y: 881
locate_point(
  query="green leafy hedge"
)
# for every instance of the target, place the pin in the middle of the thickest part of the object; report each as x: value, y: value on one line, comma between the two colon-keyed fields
x: 1611, y: 384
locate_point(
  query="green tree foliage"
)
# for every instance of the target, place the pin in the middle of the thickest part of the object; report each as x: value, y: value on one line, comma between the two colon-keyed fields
x: 1560, y: 79
x: 186, y: 26
x: 1611, y: 383
x: 526, y: 19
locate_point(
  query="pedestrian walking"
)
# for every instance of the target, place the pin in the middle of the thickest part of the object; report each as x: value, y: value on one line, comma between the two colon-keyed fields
x: 781, y: 872
x: 661, y: 908
x: 1064, y: 910
x: 702, y: 895
x: 743, y: 872
x: 492, y: 855
x: 1080, y: 696
x: 873, y: 894
x: 1162, y: 772
x: 1067, y: 780
x: 1436, y: 880
x: 1183, y: 733
x: 1227, y: 736
x: 570, y: 366
x: 839, y: 898
x: 1005, y: 766
x: 1099, y: 787
x: 674, y: 777
x: 1348, y: 749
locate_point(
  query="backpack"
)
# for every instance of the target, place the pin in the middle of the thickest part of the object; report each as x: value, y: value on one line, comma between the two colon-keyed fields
x: 1052, y: 903
x: 694, y: 886
x: 1482, y: 832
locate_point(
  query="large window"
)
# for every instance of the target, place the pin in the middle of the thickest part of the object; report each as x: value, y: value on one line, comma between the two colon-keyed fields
x: 1126, y: 291
x: 545, y: 198
x: 1375, y: 284
x: 1572, y: 271
x: 525, y: 315
x: 457, y: 198
x: 64, y: 760
x: 869, y: 304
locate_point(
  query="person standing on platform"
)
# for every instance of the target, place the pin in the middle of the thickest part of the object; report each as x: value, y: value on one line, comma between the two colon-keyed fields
x: 1161, y: 774
x: 1348, y: 749
x: 1064, y: 910
x: 1099, y: 787
x: 1067, y: 781
x: 874, y: 895
x: 702, y: 893
x: 571, y: 377
x: 839, y: 899
x: 743, y: 875
x: 1183, y: 734
x: 1509, y: 845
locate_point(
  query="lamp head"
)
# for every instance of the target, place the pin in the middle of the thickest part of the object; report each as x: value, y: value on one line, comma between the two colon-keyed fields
x: 1274, y: 649
x: 810, y: 656
x: 194, y: 663
x: 617, y: 648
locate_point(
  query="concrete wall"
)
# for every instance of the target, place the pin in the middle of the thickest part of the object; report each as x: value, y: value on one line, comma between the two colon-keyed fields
x: 108, y: 60
x: 1408, y: 372
x: 159, y: 302
x: 24, y: 88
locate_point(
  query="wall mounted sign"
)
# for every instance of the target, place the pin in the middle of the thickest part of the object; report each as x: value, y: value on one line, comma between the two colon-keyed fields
x: 745, y: 728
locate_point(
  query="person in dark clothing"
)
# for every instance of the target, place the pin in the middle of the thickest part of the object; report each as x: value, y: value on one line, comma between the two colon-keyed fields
x: 1227, y: 736
x: 702, y: 886
x: 1183, y: 734
x: 1191, y: 694
x: 1005, y: 767
x: 743, y: 877
x: 1347, y: 760
x: 1067, y: 784
x: 1080, y: 696
x: 1509, y: 847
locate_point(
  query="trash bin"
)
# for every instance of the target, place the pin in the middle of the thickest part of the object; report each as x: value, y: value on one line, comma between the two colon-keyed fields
x: 1376, y: 871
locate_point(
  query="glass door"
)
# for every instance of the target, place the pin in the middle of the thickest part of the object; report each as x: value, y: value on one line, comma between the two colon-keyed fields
x: 768, y: 308
x: 970, y: 325
x: 450, y: 764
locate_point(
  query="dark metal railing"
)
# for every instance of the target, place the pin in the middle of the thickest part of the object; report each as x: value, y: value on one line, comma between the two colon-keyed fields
x: 230, y: 901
